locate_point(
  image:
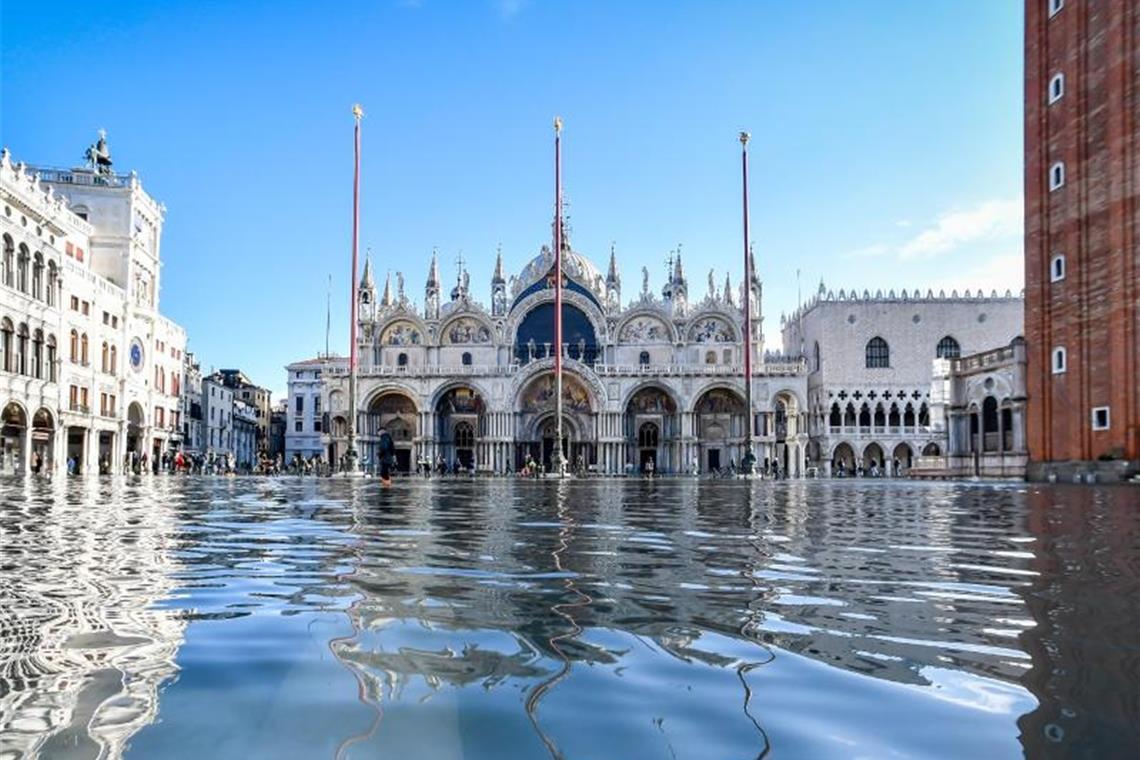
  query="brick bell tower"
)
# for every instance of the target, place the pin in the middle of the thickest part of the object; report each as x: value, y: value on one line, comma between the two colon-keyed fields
x: 1082, y: 256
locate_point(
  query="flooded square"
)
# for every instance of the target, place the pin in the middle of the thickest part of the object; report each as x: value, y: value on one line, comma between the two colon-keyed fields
x: 486, y: 618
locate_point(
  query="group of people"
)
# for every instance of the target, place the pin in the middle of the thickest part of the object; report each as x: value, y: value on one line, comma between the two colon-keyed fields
x: 875, y: 469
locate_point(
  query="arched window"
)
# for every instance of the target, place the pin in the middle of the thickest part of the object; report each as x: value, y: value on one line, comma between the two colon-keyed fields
x: 402, y: 360
x: 8, y: 262
x: 727, y: 355
x: 114, y: 359
x: 647, y: 436
x: 643, y: 358
x: 22, y: 269
x: 865, y: 416
x: 815, y: 356
x: 22, y: 349
x: 51, y: 372
x: 464, y: 436
x: 52, y: 283
x: 923, y: 416
x: 908, y: 416
x: 38, y: 354
x: 710, y: 357
x: 105, y: 358
x: 74, y: 354
x: 83, y: 349
x: 836, y: 418
x: 7, y: 330
x: 38, y: 276
x: 466, y: 358
x: 880, y: 416
x: 948, y: 348
x: 878, y: 353
x: 849, y: 415
x: 989, y: 423
x: 893, y: 416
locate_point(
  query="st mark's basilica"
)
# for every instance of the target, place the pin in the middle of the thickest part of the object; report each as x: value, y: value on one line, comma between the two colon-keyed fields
x: 659, y: 378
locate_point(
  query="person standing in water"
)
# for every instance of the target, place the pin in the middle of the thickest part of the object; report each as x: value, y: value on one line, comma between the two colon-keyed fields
x: 387, y: 457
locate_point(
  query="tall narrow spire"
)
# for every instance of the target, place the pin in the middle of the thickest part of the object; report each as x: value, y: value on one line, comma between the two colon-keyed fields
x: 366, y: 280
x: 612, y: 276
x: 498, y: 276
x: 728, y: 288
x: 433, y: 270
x: 387, y: 297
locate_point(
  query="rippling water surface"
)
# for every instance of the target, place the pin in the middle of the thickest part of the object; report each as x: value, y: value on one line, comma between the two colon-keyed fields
x: 251, y: 618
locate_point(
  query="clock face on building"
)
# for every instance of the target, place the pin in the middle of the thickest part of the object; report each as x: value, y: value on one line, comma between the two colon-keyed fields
x: 136, y: 354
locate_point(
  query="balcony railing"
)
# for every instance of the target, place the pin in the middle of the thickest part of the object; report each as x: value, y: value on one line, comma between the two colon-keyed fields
x: 762, y: 369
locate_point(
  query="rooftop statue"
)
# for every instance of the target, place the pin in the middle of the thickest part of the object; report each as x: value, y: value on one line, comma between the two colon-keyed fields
x: 99, y: 155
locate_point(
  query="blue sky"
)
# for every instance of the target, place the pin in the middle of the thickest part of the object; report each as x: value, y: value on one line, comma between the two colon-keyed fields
x: 886, y: 153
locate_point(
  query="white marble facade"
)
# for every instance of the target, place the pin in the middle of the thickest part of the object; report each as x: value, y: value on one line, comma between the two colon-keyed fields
x: 659, y: 377
x: 89, y: 368
x: 872, y: 370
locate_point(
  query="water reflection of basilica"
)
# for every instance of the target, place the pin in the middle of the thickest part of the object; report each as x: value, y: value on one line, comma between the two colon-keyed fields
x: 659, y: 378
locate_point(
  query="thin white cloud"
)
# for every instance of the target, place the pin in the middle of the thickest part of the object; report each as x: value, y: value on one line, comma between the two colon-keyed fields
x: 872, y: 251
x: 992, y: 220
x: 1002, y: 272
x: 902, y: 223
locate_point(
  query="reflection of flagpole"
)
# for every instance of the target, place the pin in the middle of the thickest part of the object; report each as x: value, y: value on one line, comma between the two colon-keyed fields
x: 749, y: 457
x: 559, y: 460
x: 357, y: 113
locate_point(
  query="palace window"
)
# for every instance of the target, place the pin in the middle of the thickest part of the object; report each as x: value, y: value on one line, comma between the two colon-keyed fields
x: 948, y: 348
x: 402, y: 360
x: 466, y: 358
x: 1057, y: 176
x: 878, y: 353
x: 1101, y: 418
x: 1056, y: 88
x: 1057, y: 268
x: 815, y: 356
x: 643, y: 358
x: 710, y: 357
x: 1060, y: 361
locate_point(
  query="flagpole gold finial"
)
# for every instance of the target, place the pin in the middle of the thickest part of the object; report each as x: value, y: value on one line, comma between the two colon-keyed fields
x: 558, y: 125
x: 744, y: 138
x: 357, y: 111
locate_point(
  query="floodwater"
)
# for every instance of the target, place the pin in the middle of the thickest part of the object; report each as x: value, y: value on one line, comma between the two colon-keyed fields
x: 284, y: 618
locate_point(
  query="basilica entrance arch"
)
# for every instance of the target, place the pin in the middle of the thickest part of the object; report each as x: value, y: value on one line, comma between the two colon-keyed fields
x: 653, y: 428
x: 721, y: 425
x: 459, y: 421
x: 395, y: 413
x: 536, y: 407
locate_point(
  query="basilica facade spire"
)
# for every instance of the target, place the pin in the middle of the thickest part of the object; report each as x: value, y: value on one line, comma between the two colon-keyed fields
x: 431, y: 289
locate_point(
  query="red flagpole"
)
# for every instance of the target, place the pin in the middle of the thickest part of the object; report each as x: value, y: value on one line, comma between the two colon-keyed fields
x: 357, y: 113
x: 558, y: 456
x: 744, y: 137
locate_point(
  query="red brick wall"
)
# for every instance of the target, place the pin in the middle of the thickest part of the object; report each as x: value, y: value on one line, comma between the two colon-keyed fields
x: 1093, y: 313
